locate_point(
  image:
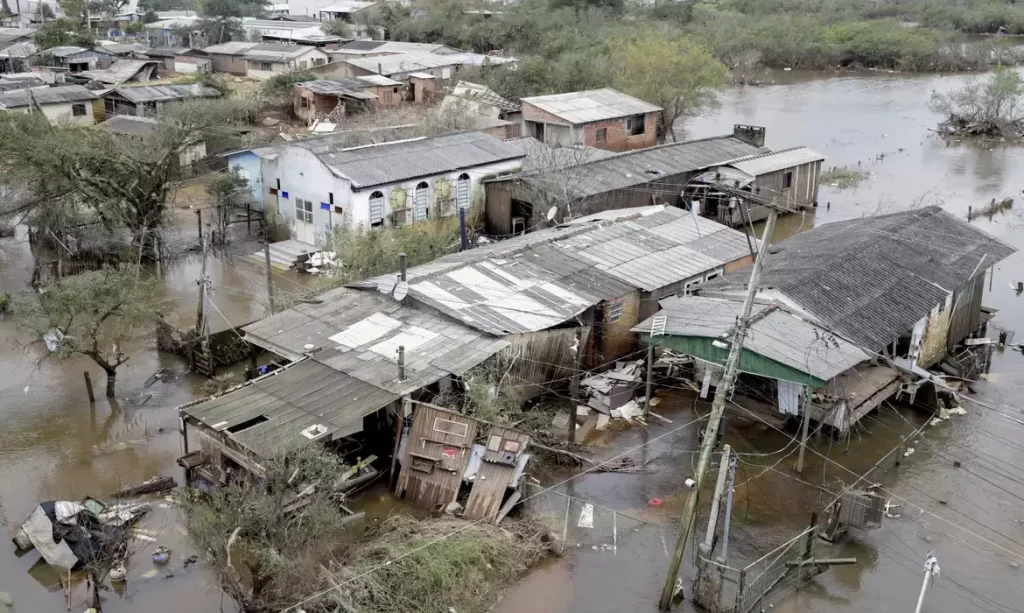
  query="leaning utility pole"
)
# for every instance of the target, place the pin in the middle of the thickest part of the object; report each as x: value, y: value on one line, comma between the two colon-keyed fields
x: 722, y: 392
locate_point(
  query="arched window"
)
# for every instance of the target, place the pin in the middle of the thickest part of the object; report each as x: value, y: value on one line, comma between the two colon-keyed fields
x: 462, y: 193
x: 377, y: 209
x: 422, y: 200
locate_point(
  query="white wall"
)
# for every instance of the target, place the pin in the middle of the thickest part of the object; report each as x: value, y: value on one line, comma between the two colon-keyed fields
x: 191, y: 155
x: 304, y: 176
x: 62, y: 113
x: 360, y: 204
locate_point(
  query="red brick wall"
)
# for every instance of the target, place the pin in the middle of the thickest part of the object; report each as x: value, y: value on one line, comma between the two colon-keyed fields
x: 616, y: 137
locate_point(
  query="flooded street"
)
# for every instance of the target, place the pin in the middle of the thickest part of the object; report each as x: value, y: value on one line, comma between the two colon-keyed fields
x: 972, y: 520
x: 53, y: 444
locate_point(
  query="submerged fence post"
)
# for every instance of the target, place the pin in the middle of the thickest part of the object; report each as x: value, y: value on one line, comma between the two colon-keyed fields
x: 88, y: 387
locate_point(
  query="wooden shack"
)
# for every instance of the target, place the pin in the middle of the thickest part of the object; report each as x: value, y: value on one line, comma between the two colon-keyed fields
x: 436, y: 453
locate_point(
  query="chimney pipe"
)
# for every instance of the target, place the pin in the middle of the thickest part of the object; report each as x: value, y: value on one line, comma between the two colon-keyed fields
x: 401, y: 362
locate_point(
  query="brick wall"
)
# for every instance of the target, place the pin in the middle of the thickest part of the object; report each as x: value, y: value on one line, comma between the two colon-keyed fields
x: 616, y: 138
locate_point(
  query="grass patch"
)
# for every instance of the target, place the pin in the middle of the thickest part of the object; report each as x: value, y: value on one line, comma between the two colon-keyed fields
x: 467, y: 569
x: 842, y: 177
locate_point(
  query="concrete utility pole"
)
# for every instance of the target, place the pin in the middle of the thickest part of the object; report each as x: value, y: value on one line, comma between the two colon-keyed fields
x: 931, y: 570
x: 722, y: 392
x: 724, y: 558
x: 270, y: 273
x: 803, y: 428
x: 723, y: 469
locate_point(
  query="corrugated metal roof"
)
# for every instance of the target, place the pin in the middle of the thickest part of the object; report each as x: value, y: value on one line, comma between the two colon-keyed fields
x: 484, y: 95
x: 49, y: 95
x: 7, y: 85
x: 10, y: 35
x: 335, y: 86
x: 781, y: 335
x: 392, y: 162
x: 778, y: 160
x: 591, y: 105
x: 545, y: 278
x: 346, y: 7
x: 641, y: 166
x: 871, y: 279
x: 360, y: 331
x: 65, y: 51
x: 277, y: 51
x: 165, y: 51
x: 157, y: 93
x: 231, y: 48
x: 22, y: 49
x: 301, y: 395
x: 121, y: 71
x: 410, y: 61
x: 376, y: 79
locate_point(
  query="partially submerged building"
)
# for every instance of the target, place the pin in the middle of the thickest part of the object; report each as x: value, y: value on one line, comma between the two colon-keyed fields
x: 315, y: 184
x: 344, y: 385
x: 596, y: 277
x: 851, y: 307
x: 590, y: 184
x: 602, y: 118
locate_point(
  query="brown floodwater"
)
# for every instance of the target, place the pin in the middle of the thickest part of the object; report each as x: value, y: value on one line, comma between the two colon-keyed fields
x: 53, y: 444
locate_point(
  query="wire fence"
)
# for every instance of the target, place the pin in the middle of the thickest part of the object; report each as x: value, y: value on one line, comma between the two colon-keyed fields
x: 723, y: 589
x: 580, y: 523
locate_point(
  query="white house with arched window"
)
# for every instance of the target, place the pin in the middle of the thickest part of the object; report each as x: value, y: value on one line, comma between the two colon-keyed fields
x: 316, y: 184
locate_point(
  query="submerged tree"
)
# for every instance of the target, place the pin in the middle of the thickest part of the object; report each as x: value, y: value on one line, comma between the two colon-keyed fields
x: 229, y: 191
x: 676, y: 74
x: 990, y: 106
x: 266, y: 555
x: 122, y: 184
x: 92, y: 314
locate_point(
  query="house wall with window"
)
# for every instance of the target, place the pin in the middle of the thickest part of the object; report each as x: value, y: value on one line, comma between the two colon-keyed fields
x: 295, y: 177
x: 614, y: 339
x: 617, y: 134
x: 264, y: 69
x: 77, y: 113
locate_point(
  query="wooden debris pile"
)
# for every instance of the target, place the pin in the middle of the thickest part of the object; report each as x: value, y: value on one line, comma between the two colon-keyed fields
x: 611, y: 393
x: 957, y: 125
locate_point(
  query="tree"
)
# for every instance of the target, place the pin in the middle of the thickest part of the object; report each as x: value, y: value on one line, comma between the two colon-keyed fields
x: 60, y: 32
x: 676, y: 74
x: 229, y: 191
x: 997, y: 99
x: 337, y: 27
x: 92, y: 314
x: 120, y: 183
x: 266, y: 556
x: 221, y: 20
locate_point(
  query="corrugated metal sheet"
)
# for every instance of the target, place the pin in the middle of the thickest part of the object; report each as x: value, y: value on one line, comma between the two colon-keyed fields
x: 407, y: 61
x: 385, y: 163
x: 642, y: 166
x: 289, y: 401
x: 19, y: 50
x: 591, y: 105
x: 780, y: 336
x: 358, y: 333
x: 121, y: 71
x: 335, y: 86
x: 779, y: 160
x: 130, y: 124
x: 871, y: 279
x: 545, y: 278
x: 232, y: 48
x: 276, y: 51
x: 159, y: 93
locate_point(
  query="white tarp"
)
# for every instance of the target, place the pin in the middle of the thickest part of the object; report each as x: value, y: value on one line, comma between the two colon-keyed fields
x: 789, y: 397
x: 39, y: 530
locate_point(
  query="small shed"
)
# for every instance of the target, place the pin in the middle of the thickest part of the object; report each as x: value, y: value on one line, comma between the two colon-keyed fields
x: 504, y: 458
x: 437, y: 452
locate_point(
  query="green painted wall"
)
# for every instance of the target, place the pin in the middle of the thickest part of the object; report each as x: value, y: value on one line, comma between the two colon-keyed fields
x: 750, y: 362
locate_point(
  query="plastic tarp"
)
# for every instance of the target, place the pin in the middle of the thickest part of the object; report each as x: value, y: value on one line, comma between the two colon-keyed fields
x: 39, y: 530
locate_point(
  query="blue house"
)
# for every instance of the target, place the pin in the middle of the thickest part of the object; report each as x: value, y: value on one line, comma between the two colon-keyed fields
x: 248, y: 164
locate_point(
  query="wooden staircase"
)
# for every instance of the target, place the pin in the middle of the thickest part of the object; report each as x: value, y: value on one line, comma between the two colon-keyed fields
x: 202, y: 361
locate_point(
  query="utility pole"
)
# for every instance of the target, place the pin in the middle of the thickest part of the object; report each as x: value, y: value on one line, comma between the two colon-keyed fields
x: 577, y: 350
x: 803, y: 428
x: 722, y: 392
x: 723, y: 469
x: 270, y: 278
x: 201, y: 307
x: 650, y: 371
x: 931, y: 570
x: 728, y: 509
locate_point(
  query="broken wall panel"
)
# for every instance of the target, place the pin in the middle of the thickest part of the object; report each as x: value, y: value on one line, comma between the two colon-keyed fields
x: 436, y: 455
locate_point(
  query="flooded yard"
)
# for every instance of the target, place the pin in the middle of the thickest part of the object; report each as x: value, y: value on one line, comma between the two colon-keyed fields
x: 55, y: 445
